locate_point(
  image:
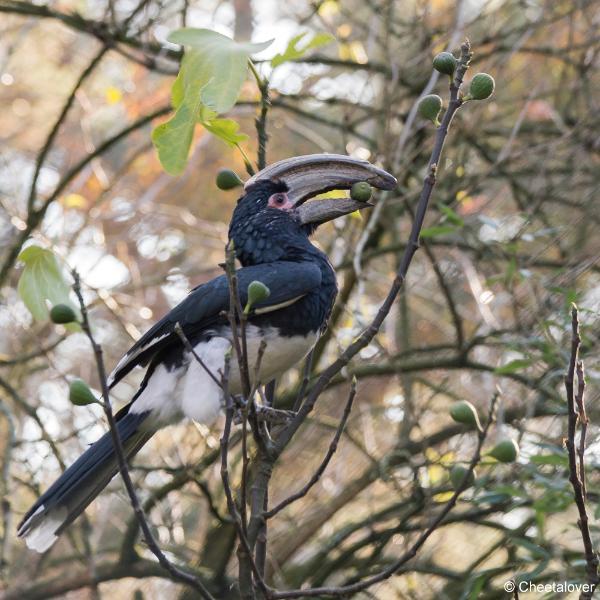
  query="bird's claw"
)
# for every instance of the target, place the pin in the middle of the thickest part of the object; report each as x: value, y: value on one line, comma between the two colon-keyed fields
x: 266, y: 414
x: 274, y: 416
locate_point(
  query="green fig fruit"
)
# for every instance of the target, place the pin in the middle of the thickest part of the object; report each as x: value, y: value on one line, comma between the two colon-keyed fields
x: 482, y: 86
x: 506, y: 451
x: 464, y: 412
x: 80, y: 394
x: 228, y: 179
x: 257, y: 292
x: 361, y: 191
x: 445, y: 63
x: 61, y: 314
x: 430, y: 107
x: 458, y: 474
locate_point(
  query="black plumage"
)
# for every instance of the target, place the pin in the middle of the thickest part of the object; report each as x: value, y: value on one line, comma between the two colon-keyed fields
x: 271, y: 241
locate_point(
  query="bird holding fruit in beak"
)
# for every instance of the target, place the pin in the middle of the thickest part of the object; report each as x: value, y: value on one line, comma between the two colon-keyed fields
x: 270, y: 230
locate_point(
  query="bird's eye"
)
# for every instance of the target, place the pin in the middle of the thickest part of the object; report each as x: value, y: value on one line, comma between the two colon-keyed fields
x: 279, y: 200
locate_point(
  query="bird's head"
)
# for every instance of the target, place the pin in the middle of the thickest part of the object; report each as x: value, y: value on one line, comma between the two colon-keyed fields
x: 273, y: 220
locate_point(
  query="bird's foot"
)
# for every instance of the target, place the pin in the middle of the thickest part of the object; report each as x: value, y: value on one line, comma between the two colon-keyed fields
x: 266, y: 414
x: 274, y: 416
x: 239, y: 409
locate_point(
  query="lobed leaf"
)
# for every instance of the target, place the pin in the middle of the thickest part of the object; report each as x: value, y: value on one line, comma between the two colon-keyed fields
x: 41, y: 282
x: 227, y: 130
x: 293, y: 52
x: 210, y: 79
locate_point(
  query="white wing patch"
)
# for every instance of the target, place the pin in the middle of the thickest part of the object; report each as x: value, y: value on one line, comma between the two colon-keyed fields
x: 131, y: 355
x: 161, y: 396
x: 201, y: 398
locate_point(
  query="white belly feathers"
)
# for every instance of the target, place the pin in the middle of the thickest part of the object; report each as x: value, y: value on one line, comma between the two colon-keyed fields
x: 191, y: 392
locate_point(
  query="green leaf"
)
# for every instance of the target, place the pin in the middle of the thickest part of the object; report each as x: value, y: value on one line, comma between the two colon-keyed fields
x: 536, y: 551
x: 211, y: 76
x: 476, y: 586
x: 436, y: 230
x: 451, y: 216
x: 560, y: 460
x: 553, y: 501
x: 511, y: 491
x: 226, y: 130
x: 222, y: 60
x: 173, y: 139
x: 178, y: 88
x: 293, y: 52
x: 42, y: 281
x: 513, y: 366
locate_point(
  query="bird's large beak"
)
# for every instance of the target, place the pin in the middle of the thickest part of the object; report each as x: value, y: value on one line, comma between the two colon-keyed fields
x: 312, y: 174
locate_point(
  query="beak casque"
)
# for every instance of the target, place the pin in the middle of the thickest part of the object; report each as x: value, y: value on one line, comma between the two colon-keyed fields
x: 312, y: 174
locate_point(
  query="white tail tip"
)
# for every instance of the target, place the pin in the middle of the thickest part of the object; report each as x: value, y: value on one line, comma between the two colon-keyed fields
x: 40, y: 529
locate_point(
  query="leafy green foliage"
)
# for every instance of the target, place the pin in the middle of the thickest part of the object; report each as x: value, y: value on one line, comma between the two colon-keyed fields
x: 559, y: 460
x: 513, y: 366
x: 227, y: 130
x: 42, y: 281
x: 451, y: 215
x: 209, y: 82
x: 293, y: 51
x: 437, y: 230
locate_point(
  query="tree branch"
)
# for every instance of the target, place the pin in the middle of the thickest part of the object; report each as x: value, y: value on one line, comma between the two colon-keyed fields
x: 576, y: 411
x: 174, y: 571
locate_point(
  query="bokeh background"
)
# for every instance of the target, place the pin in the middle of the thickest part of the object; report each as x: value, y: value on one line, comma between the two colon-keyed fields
x: 511, y: 241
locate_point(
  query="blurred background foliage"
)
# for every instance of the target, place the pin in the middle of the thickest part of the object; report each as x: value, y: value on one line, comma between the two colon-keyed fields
x: 510, y: 242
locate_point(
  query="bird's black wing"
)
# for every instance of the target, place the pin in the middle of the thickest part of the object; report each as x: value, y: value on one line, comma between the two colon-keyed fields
x: 287, y: 281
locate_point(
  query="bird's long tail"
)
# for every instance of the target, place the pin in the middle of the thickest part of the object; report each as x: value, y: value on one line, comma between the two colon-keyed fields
x: 71, y: 493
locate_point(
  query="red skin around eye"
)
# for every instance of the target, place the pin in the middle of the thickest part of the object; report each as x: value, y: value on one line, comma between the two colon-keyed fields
x: 280, y: 201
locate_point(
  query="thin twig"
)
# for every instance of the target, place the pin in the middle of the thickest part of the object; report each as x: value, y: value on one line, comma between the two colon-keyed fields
x: 57, y: 124
x: 245, y: 548
x: 174, y: 571
x: 35, y: 217
x: 349, y: 590
x: 583, y: 421
x: 261, y: 120
x: 212, y: 507
x: 188, y: 346
x: 6, y: 509
x: 234, y: 315
x: 575, y: 402
x: 308, y: 364
x: 413, y: 244
x: 324, y: 463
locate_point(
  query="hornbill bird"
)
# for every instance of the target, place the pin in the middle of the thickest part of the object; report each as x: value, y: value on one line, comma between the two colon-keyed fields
x: 270, y: 230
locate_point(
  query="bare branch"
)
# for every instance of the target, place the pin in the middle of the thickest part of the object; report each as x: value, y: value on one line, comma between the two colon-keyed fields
x: 175, y: 572
x: 324, y: 463
x: 348, y: 590
x: 576, y: 410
